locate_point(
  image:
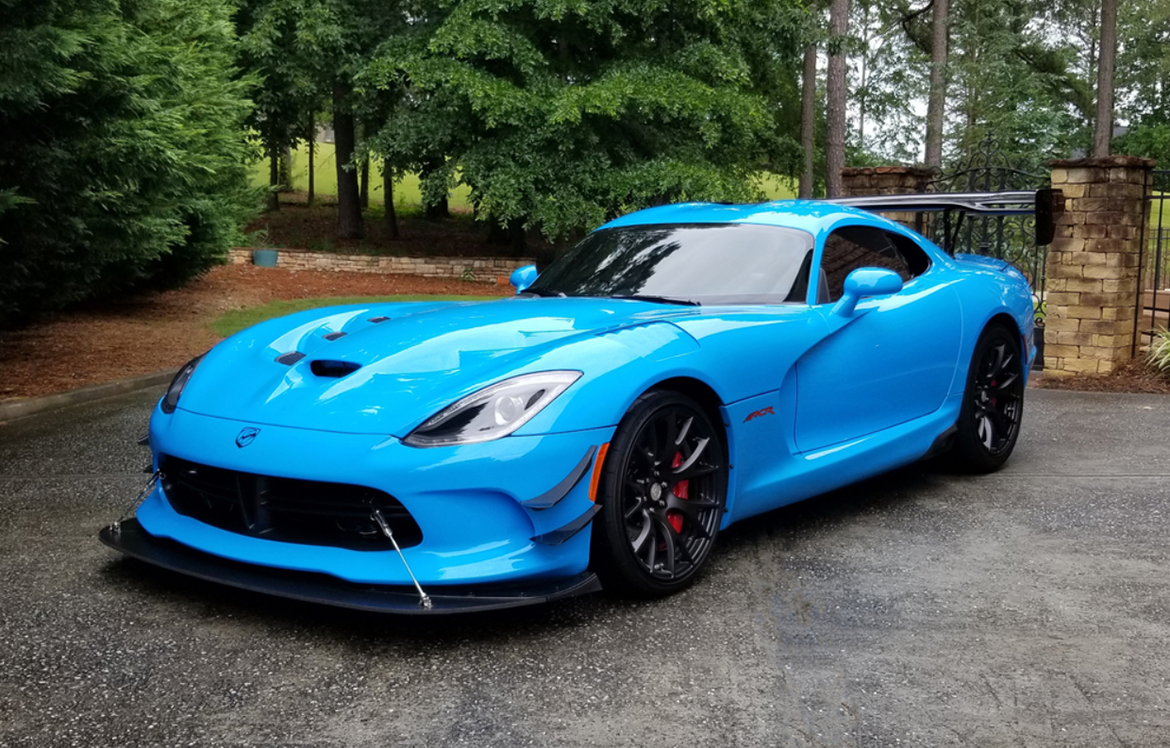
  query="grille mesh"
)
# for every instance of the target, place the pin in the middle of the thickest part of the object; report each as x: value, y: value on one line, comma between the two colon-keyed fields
x: 286, y: 509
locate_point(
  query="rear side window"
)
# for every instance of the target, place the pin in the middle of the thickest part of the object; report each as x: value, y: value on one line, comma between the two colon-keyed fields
x: 851, y: 247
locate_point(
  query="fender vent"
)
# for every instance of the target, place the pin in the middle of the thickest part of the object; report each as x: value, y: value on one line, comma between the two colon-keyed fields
x: 334, y: 335
x: 334, y: 369
x: 376, y: 320
x: 290, y: 358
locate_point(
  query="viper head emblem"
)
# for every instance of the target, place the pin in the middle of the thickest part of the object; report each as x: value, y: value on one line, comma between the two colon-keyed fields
x: 247, y: 436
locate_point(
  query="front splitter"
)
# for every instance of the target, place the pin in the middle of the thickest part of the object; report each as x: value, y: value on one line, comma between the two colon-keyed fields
x: 130, y: 539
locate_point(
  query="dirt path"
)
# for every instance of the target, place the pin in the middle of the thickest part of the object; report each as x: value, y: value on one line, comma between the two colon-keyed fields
x: 145, y: 334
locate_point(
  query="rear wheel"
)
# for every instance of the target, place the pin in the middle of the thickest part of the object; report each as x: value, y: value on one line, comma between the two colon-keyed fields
x: 993, y: 402
x: 664, y: 485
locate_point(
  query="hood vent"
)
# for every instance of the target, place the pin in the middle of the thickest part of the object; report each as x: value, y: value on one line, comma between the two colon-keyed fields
x: 334, y: 335
x: 376, y: 320
x: 334, y: 369
x: 290, y: 358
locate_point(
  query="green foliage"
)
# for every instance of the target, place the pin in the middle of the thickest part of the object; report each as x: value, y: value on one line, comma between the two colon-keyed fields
x: 560, y: 115
x: 1159, y: 357
x: 121, y: 133
x: 1012, y: 80
x: 1148, y: 138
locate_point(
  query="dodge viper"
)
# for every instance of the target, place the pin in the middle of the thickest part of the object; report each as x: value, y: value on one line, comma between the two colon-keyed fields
x: 681, y: 369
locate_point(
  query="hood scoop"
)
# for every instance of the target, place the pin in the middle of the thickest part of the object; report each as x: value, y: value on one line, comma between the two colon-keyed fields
x: 333, y: 369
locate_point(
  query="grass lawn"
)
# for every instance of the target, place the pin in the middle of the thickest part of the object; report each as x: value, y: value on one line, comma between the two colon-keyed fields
x: 237, y: 319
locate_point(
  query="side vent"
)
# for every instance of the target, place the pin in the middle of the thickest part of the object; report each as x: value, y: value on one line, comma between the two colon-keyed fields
x: 376, y: 320
x: 290, y: 358
x: 334, y: 369
x: 334, y: 335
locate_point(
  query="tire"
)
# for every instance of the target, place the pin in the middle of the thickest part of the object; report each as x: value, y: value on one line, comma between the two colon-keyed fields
x: 993, y: 403
x: 663, y: 490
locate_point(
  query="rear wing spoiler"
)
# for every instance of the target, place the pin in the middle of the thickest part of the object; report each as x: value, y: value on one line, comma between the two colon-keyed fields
x: 1045, y: 205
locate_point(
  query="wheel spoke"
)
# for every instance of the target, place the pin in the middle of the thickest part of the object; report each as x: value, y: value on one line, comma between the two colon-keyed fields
x: 700, y: 447
x: 668, y: 447
x: 682, y: 433
x: 640, y: 541
x: 675, y: 540
x: 638, y: 506
x: 997, y: 367
x: 666, y: 533
x: 986, y: 431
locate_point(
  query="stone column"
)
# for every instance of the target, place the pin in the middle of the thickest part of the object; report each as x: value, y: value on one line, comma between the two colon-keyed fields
x: 886, y: 180
x: 1093, y: 264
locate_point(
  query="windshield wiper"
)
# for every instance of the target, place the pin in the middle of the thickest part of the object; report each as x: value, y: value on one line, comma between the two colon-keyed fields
x: 538, y: 292
x: 656, y: 299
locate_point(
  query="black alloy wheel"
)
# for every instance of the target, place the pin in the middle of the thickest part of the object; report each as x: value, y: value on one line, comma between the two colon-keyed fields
x: 664, y: 485
x: 993, y: 402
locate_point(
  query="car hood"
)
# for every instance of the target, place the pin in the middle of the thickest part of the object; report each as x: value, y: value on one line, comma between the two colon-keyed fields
x: 386, y: 368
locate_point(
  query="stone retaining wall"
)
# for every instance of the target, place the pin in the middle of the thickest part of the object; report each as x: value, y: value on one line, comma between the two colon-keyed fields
x: 483, y: 269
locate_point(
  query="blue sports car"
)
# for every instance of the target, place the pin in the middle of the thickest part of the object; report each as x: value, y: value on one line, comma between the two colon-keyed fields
x: 681, y: 369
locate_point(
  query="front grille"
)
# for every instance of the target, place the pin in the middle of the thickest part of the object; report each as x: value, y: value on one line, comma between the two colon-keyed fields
x: 286, y: 509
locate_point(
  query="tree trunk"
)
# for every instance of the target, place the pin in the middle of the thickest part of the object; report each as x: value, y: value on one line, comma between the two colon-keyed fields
x: 286, y: 180
x: 349, y: 208
x: 365, y: 188
x: 312, y: 156
x: 273, y: 177
x: 936, y: 106
x: 388, y: 196
x: 835, y: 151
x: 808, y: 116
x: 862, y: 93
x: 440, y: 209
x: 1103, y: 127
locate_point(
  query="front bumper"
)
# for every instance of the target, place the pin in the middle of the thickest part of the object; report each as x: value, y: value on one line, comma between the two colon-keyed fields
x: 484, y: 509
x: 130, y: 539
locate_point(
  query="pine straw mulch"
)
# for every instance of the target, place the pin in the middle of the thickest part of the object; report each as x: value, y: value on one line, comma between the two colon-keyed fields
x: 153, y: 332
x: 1131, y: 376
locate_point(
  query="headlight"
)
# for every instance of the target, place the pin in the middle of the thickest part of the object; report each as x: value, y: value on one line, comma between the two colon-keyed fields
x: 492, y: 412
x: 171, y: 399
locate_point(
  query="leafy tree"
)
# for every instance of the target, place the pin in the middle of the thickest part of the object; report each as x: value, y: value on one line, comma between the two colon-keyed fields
x: 290, y: 72
x: 1143, y: 78
x: 121, y: 147
x: 559, y: 115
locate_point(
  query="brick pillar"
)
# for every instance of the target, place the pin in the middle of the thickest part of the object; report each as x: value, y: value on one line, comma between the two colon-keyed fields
x: 886, y: 180
x: 1093, y: 264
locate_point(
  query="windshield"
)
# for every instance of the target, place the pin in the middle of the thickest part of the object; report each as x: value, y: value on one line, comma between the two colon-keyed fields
x: 697, y: 264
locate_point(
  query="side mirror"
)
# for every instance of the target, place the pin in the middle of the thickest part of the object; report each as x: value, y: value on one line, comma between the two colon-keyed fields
x: 523, y: 277
x: 865, y: 282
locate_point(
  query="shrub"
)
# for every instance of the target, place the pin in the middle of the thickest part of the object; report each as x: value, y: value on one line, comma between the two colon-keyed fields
x: 1160, y: 352
x: 121, y: 147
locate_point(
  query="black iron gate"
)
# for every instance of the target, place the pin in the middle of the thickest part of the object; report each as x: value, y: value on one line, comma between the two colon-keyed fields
x: 1153, y: 282
x: 1010, y: 238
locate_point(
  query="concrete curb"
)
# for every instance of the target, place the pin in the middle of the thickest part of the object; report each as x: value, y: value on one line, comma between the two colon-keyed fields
x: 11, y: 411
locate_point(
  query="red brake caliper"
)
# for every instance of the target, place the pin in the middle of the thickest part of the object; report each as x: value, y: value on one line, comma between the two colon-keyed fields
x: 674, y: 518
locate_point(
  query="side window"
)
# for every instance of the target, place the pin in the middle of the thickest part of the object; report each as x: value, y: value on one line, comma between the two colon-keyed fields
x: 852, y: 247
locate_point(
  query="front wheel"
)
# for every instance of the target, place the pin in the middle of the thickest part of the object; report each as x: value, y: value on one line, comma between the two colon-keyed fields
x: 993, y: 402
x: 664, y: 485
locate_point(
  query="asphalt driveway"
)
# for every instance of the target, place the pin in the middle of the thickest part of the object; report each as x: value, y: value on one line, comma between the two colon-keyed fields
x: 1030, y: 608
